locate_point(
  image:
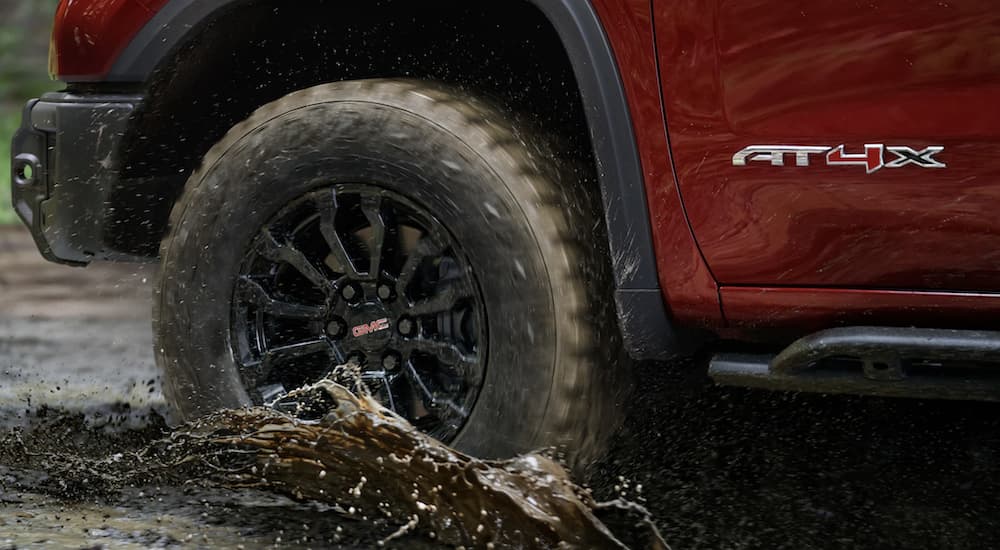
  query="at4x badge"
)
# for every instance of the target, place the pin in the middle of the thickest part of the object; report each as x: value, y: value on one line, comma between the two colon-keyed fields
x: 873, y: 158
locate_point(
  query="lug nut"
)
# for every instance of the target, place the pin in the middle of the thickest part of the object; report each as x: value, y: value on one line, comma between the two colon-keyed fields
x: 384, y: 292
x: 390, y: 362
x: 349, y: 292
x: 335, y: 328
x: 405, y: 327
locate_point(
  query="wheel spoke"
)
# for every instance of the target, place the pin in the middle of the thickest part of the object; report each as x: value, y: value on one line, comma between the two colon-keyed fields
x: 276, y: 251
x: 338, y: 356
x: 446, y: 352
x: 371, y: 205
x: 327, y: 205
x: 285, y: 354
x: 444, y: 300
x: 426, y: 247
x: 279, y: 308
x: 402, y: 395
x: 430, y: 399
x: 386, y: 381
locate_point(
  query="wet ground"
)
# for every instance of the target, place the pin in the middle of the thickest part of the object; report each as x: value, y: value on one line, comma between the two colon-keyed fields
x: 719, y: 468
x: 77, y: 374
x: 731, y: 468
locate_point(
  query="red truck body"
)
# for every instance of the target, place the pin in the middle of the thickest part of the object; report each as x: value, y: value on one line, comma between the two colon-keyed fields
x: 740, y: 248
x: 805, y: 247
x: 87, y: 37
x: 461, y: 199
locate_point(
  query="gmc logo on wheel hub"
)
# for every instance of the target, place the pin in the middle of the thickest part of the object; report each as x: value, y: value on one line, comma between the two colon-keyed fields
x: 873, y: 158
x: 370, y: 328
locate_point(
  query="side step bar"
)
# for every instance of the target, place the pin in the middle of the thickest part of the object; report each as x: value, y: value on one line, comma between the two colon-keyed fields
x: 895, y: 362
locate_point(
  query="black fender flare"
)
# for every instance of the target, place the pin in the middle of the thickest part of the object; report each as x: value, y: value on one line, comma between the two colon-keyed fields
x: 643, y: 317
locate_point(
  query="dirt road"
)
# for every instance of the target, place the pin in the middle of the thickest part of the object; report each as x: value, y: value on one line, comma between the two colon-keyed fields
x: 719, y: 468
x: 69, y: 337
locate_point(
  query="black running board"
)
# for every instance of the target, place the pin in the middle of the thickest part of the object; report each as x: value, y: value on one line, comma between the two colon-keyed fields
x: 895, y: 362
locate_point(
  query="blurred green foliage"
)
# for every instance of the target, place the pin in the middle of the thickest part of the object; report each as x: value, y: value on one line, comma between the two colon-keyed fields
x: 8, y: 123
x: 24, y: 41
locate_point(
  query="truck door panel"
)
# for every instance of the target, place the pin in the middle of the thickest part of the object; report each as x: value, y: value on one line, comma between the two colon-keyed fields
x: 740, y: 73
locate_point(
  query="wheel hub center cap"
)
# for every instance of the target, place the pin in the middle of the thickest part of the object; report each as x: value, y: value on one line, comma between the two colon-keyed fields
x: 370, y: 326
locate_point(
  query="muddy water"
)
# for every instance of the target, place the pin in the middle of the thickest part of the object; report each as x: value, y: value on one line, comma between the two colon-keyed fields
x: 66, y: 482
x: 87, y: 460
x: 359, y: 475
x: 170, y: 517
x: 719, y: 468
x: 78, y: 383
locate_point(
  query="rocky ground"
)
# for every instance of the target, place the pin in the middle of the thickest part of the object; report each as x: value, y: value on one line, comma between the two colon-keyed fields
x: 719, y: 468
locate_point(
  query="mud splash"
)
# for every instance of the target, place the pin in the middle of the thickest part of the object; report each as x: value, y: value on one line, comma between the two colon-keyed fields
x: 364, y: 463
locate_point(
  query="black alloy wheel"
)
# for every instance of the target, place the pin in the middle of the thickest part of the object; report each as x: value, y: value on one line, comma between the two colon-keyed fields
x: 359, y: 274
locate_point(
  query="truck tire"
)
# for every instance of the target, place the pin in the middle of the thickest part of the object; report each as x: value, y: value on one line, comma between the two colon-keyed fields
x: 410, y: 228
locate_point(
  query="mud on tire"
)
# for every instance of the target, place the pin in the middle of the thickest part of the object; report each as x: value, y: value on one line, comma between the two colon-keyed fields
x: 531, y: 233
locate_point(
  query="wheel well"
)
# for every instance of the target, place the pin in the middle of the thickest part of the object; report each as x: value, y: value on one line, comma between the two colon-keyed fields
x: 253, y: 52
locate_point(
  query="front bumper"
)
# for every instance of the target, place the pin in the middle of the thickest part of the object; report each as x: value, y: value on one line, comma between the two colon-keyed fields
x: 64, y: 164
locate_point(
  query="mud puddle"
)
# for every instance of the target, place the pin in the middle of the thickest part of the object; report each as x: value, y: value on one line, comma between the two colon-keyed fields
x: 65, y: 482
x: 86, y: 459
x: 169, y: 517
x: 341, y: 471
